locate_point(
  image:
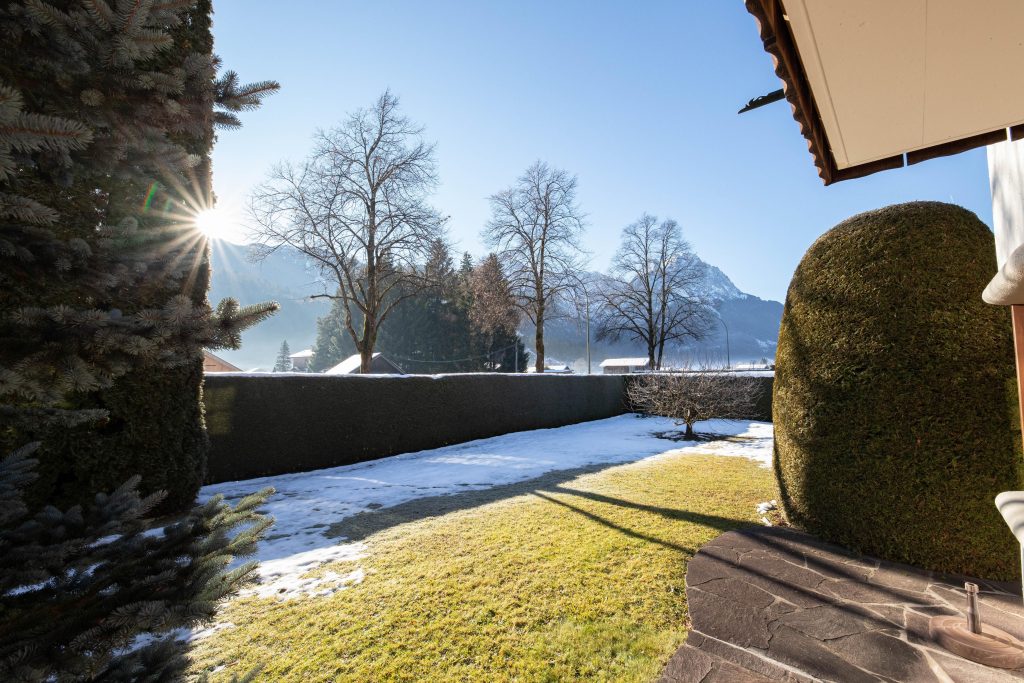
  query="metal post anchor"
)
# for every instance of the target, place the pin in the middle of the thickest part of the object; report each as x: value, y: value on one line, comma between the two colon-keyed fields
x: 966, y: 637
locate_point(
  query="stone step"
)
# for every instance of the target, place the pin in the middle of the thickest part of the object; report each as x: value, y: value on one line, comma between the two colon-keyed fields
x: 690, y: 665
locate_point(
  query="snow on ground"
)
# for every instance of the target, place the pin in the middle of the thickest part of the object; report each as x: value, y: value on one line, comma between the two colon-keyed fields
x: 306, y: 504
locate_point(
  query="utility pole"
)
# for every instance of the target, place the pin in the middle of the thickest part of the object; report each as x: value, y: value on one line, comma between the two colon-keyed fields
x: 587, y: 295
x: 586, y: 298
x: 728, y: 357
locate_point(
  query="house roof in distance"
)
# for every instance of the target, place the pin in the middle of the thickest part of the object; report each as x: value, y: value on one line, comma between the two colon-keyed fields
x: 305, y: 353
x: 347, y: 366
x: 554, y: 369
x: 624, y: 362
x: 214, y: 363
x: 876, y: 84
x: 380, y: 365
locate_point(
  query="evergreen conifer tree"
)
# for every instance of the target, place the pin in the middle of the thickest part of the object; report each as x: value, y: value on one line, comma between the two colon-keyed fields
x: 465, y: 321
x: 495, y: 317
x: 429, y: 331
x: 106, y: 116
x: 284, y: 361
x: 333, y: 342
x: 142, y: 78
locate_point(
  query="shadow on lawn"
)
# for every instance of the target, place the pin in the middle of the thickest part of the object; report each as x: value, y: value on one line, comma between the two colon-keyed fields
x: 364, y: 524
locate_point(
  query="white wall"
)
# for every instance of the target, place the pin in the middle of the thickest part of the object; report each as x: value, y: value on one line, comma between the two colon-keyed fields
x: 1006, y: 181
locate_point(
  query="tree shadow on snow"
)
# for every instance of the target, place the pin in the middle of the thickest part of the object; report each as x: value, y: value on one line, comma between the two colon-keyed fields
x: 699, y: 437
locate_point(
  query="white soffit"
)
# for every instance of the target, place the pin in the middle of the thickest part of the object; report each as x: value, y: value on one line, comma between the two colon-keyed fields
x: 893, y: 76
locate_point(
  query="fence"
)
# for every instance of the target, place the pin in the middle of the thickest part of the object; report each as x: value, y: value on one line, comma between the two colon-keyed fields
x: 262, y: 425
x: 274, y: 424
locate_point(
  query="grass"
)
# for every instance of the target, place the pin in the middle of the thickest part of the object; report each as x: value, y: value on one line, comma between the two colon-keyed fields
x: 560, y: 578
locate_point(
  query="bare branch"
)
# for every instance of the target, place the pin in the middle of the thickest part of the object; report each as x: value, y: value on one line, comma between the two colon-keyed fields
x: 695, y: 395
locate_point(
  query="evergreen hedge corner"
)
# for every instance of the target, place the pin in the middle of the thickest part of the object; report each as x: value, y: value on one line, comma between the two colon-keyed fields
x: 156, y: 432
x: 894, y: 399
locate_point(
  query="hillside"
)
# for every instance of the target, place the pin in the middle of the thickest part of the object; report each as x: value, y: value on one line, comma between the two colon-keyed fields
x: 282, y: 277
x: 753, y: 322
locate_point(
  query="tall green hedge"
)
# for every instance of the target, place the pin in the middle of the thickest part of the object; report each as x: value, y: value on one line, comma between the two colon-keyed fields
x: 156, y: 433
x: 894, y: 399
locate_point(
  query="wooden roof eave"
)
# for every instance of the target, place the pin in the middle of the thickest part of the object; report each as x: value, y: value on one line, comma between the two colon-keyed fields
x: 779, y: 43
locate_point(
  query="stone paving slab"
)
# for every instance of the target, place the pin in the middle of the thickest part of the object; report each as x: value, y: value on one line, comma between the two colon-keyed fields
x: 773, y: 604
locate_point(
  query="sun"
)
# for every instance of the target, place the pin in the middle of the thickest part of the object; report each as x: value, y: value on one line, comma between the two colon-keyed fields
x: 216, y: 223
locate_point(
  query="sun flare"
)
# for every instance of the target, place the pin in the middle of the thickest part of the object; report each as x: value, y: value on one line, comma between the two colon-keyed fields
x: 216, y: 223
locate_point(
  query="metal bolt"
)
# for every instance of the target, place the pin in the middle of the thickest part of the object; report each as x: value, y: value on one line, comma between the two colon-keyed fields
x: 973, y: 613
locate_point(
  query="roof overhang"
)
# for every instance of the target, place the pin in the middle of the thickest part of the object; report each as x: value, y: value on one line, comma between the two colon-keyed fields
x: 879, y: 84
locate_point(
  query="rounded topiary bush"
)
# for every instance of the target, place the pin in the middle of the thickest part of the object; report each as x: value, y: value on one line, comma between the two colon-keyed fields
x: 895, y: 400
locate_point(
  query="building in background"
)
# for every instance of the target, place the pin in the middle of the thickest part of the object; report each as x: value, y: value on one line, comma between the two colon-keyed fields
x: 301, y: 360
x: 553, y: 369
x: 212, y: 363
x: 624, y: 366
x: 378, y: 366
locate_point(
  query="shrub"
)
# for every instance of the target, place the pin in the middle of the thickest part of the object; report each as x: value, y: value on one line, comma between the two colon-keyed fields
x: 894, y: 402
x: 691, y: 397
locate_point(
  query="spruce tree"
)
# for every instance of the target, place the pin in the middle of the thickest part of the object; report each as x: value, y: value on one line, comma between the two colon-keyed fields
x: 495, y: 317
x: 155, y: 105
x: 106, y: 116
x: 429, y: 330
x: 464, y: 321
x: 284, y: 361
x: 333, y: 342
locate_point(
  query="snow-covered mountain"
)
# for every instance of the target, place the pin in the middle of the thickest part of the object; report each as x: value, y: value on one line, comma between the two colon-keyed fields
x: 719, y: 287
x: 753, y: 323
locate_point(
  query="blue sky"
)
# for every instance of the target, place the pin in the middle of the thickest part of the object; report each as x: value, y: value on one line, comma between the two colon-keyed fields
x: 638, y: 99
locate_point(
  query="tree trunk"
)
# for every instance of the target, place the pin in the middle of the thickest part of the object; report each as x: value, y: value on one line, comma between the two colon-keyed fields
x: 689, y: 435
x: 366, y: 347
x: 650, y: 356
x: 539, y: 339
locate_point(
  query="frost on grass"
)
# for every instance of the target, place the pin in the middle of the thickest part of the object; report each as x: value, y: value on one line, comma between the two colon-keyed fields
x: 298, y: 547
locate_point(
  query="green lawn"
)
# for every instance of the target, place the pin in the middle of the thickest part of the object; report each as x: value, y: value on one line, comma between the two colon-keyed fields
x: 576, y: 576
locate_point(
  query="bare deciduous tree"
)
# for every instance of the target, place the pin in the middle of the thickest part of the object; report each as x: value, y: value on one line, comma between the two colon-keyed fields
x: 654, y: 291
x: 357, y: 208
x: 535, y: 228
x: 692, y: 396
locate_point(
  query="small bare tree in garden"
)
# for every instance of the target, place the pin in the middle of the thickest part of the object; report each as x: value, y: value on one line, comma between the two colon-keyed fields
x: 654, y: 292
x: 357, y: 208
x: 535, y: 228
x: 693, y: 396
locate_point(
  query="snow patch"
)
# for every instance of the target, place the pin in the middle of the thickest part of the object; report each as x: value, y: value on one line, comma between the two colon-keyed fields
x: 288, y: 576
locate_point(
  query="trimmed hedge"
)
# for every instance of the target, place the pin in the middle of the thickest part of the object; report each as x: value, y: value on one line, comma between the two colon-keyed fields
x: 154, y: 429
x: 263, y: 425
x: 763, y: 409
x: 894, y: 400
